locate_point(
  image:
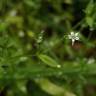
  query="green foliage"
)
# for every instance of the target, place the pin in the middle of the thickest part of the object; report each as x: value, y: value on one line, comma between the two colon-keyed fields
x: 36, y: 56
x: 49, y: 61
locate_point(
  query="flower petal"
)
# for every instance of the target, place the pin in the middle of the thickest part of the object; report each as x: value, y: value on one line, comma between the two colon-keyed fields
x: 76, y: 38
x: 72, y: 33
x: 76, y: 34
x: 73, y: 40
x: 69, y: 36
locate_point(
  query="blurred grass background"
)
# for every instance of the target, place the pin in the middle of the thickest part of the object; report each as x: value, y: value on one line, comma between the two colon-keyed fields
x: 36, y: 58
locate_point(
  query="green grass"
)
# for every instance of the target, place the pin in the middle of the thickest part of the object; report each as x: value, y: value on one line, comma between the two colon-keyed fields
x: 36, y: 56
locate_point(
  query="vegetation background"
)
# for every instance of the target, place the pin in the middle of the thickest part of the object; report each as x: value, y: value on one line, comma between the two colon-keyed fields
x: 37, y: 58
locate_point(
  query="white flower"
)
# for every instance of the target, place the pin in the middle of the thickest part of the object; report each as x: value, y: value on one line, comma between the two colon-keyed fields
x: 73, y: 36
x: 40, y: 38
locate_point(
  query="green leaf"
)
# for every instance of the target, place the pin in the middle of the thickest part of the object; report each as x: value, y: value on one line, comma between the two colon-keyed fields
x: 3, y: 26
x: 89, y: 8
x: 53, y: 89
x: 89, y: 21
x: 48, y: 60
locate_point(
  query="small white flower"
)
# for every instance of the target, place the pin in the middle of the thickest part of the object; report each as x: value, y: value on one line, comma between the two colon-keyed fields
x: 40, y: 38
x: 73, y: 36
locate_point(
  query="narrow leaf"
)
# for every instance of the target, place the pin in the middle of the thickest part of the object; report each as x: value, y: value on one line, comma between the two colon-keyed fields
x: 48, y: 60
x: 89, y: 8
